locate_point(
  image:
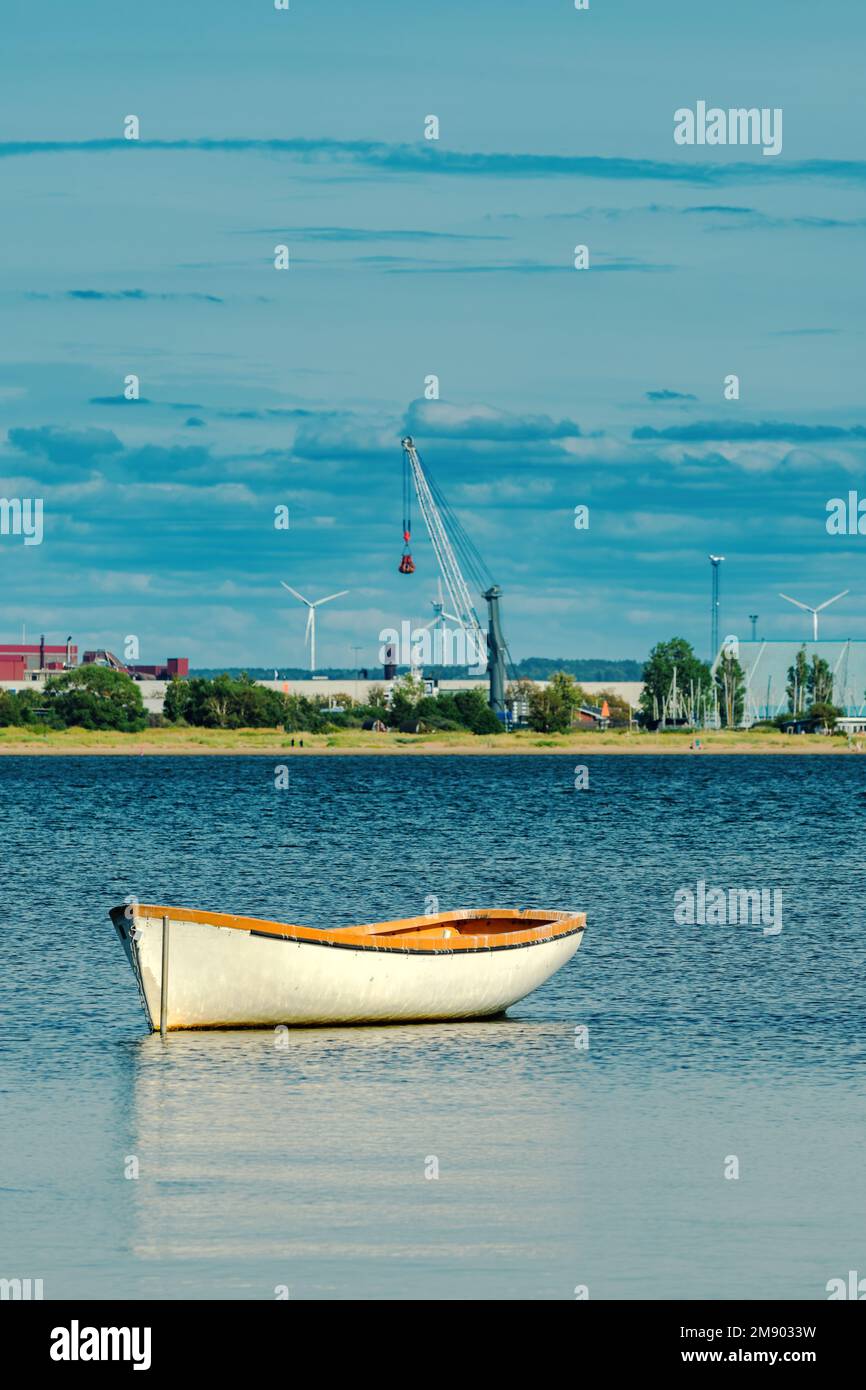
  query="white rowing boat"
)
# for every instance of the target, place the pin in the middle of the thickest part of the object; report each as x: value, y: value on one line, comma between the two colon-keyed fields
x: 214, y: 970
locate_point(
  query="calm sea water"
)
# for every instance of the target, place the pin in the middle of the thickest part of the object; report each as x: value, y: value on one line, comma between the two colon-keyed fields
x: 559, y: 1166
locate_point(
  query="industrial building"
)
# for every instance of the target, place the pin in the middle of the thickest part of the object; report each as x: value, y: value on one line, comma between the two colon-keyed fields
x: 23, y: 661
x: 20, y: 660
x: 175, y: 667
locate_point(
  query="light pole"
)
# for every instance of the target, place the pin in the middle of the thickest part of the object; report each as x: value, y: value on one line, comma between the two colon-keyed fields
x: 715, y: 561
x: 753, y: 619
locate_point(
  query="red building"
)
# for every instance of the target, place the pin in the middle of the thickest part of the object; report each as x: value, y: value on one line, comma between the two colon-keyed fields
x: 19, y: 659
x: 174, y: 666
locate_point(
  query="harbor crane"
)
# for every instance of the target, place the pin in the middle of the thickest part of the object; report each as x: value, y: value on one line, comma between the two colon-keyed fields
x: 456, y: 552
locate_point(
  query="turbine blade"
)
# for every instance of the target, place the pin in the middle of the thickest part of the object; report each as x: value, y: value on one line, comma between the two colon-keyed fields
x: 804, y: 606
x: 294, y: 591
x: 832, y: 600
x: 329, y: 597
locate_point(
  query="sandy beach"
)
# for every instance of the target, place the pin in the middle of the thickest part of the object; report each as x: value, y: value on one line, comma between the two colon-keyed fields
x: 272, y: 742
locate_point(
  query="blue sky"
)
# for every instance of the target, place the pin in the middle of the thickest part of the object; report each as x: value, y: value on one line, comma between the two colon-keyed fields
x: 558, y: 387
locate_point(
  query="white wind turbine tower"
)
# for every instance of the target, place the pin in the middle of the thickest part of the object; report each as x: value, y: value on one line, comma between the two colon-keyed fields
x: 814, y: 611
x: 312, y: 605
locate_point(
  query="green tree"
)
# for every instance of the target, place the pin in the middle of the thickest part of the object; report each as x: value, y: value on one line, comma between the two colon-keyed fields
x: 439, y: 712
x: 302, y: 715
x: 217, y: 703
x: 197, y: 709
x: 545, y: 715
x: 731, y: 690
x: 475, y: 713
x: 552, y: 708
x: 19, y: 707
x: 96, y: 697
x: 567, y: 691
x: 256, y: 706
x: 176, y: 699
x: 676, y: 683
x: 229, y: 702
x: 406, y: 694
x: 446, y: 708
x: 820, y: 681
x: 9, y: 709
x: 823, y: 715
x: 797, y: 688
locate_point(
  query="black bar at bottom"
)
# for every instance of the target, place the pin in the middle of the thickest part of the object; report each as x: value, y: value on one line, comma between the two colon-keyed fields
x: 220, y: 1338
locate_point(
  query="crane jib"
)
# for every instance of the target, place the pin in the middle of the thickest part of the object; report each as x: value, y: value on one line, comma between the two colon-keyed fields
x: 442, y: 524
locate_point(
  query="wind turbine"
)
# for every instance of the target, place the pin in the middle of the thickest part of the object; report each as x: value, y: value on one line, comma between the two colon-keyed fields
x: 439, y: 624
x: 439, y: 614
x: 312, y: 605
x: 814, y: 611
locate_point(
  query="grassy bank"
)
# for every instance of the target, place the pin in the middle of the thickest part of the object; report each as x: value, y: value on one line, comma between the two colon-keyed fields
x: 272, y: 742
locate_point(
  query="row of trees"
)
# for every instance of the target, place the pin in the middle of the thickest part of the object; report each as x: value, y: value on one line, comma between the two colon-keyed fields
x: 680, y: 689
x: 228, y: 702
x: 96, y: 697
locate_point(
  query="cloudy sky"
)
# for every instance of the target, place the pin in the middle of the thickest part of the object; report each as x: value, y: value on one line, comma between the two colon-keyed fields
x: 409, y: 258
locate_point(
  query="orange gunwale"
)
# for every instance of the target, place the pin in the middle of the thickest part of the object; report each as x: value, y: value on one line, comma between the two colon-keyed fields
x: 448, y: 931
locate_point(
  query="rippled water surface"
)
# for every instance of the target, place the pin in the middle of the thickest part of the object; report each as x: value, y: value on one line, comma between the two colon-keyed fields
x: 558, y: 1166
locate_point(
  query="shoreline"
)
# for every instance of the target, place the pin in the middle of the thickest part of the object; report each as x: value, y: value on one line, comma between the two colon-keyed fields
x: 269, y: 743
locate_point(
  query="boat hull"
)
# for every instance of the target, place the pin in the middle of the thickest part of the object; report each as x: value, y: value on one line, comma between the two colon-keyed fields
x: 225, y: 977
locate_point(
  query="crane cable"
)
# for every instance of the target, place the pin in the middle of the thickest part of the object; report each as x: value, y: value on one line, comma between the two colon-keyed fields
x: 467, y: 552
x: 464, y: 547
x: 407, y: 564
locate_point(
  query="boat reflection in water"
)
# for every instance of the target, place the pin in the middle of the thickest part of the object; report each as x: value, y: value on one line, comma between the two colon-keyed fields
x: 380, y: 1162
